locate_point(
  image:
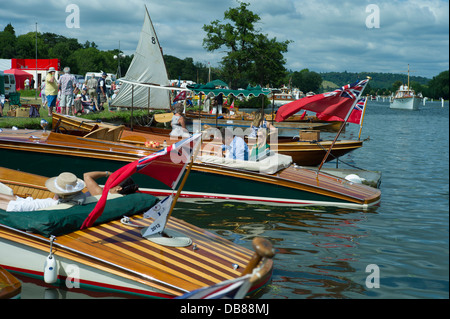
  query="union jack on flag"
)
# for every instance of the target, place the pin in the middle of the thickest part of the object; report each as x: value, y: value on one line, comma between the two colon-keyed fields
x: 360, y: 104
x: 337, y: 103
x: 356, y: 115
x: 167, y: 166
x: 351, y: 91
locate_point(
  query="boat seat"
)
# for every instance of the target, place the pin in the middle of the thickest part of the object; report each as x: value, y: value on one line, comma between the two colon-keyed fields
x: 95, y: 127
x: 163, y: 117
x: 114, y: 134
x: 99, y: 133
x: 59, y: 222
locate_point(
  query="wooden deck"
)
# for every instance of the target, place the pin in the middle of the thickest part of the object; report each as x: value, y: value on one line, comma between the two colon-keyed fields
x: 121, y: 251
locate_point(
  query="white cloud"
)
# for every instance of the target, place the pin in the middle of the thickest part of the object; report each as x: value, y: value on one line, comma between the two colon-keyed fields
x: 328, y: 35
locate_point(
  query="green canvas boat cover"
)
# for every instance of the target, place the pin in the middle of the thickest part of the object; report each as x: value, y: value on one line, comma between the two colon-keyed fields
x: 63, y: 221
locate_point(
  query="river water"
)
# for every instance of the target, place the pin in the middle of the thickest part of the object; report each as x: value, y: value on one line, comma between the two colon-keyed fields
x: 399, y: 249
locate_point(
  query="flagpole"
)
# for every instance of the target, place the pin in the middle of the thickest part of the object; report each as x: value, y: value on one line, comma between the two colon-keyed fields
x: 332, y: 144
x: 184, y: 179
x: 362, y: 119
x: 342, y: 127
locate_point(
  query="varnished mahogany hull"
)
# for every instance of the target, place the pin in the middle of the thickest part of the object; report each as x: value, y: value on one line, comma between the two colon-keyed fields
x: 115, y: 257
x: 292, y: 185
x: 303, y: 153
x: 10, y: 286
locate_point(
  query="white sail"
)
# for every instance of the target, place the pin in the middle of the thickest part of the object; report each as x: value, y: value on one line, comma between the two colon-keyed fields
x: 147, y: 67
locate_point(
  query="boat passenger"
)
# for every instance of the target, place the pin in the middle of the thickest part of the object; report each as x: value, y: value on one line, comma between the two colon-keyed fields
x: 66, y: 187
x: 260, y: 149
x: 259, y: 122
x: 235, y: 147
x: 128, y: 186
x: 178, y: 122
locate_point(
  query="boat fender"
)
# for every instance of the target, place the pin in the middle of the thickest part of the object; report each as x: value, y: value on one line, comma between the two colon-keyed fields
x: 50, y: 270
x: 51, y: 266
x: 354, y: 178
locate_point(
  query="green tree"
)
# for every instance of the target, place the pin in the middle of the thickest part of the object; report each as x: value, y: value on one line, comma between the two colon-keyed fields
x: 174, y: 66
x: 307, y: 81
x: 26, y: 46
x: 85, y: 60
x: 396, y: 85
x: 249, y: 52
x: 438, y: 86
x: 268, y: 66
x: 61, y: 51
x: 8, y: 42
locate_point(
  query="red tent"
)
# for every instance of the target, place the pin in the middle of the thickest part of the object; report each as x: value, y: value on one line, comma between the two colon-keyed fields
x: 20, y: 77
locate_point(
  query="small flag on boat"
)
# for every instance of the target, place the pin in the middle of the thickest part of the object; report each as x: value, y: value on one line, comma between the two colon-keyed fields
x: 336, y: 103
x: 355, y: 116
x: 180, y: 96
x: 159, y: 213
x: 230, y: 289
x: 166, y: 166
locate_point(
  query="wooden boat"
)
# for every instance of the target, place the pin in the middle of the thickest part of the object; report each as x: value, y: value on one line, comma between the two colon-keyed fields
x: 113, y: 255
x: 10, y: 286
x: 311, y: 153
x: 288, y: 184
x: 245, y: 120
x: 282, y: 97
x: 305, y: 152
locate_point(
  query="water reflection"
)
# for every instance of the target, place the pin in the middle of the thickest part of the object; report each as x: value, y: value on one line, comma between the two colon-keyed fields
x: 317, y: 248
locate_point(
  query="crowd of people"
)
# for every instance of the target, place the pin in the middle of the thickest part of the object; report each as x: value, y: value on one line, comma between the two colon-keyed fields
x: 67, y: 96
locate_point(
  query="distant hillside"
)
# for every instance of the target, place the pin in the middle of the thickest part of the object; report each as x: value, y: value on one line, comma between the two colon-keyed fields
x: 328, y: 85
x: 379, y: 80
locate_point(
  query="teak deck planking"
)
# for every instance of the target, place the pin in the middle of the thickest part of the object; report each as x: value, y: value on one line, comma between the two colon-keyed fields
x: 136, y: 258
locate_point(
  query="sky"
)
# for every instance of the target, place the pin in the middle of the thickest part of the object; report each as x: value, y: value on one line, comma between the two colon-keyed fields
x: 326, y: 35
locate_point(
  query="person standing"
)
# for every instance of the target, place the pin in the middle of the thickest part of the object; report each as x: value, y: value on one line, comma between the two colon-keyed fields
x: 92, y: 91
x: 178, y: 122
x: 101, y: 91
x: 51, y: 89
x: 67, y: 83
x: 219, y: 103
x: 43, y: 97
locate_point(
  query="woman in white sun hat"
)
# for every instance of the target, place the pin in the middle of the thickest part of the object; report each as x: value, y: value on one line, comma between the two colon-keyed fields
x: 66, y: 187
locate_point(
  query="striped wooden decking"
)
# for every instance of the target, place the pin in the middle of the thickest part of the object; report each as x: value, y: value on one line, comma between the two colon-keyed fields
x: 120, y: 250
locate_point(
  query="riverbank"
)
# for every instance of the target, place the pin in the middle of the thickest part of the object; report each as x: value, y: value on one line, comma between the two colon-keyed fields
x: 108, y: 115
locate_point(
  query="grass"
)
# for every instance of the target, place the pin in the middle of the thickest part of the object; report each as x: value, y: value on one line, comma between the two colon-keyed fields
x: 141, y: 117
